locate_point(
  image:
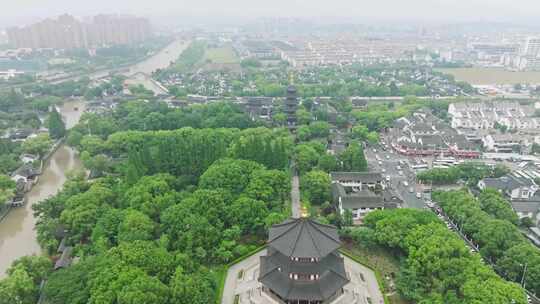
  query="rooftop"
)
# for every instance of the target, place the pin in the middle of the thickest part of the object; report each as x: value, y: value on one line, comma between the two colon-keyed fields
x: 367, y: 177
x: 304, y: 238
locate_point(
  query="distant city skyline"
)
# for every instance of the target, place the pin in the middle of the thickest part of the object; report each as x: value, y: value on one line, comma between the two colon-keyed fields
x: 422, y: 11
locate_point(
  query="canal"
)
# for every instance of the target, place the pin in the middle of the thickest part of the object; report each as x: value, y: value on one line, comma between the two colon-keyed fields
x: 17, y: 234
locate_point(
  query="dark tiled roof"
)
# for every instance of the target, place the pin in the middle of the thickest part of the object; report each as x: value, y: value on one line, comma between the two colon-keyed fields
x: 275, y: 269
x: 366, y: 177
x: 356, y: 200
x: 508, y: 182
x: 526, y: 206
x: 65, y: 259
x: 26, y: 171
x: 304, y: 238
x: 422, y: 127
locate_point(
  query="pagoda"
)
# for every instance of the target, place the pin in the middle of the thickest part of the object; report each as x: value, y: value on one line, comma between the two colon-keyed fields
x: 291, y: 106
x: 303, y: 265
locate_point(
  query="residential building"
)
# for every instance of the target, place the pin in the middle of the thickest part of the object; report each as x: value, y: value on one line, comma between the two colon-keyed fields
x: 504, y: 143
x: 302, y: 264
x: 531, y: 48
x: 67, y: 32
x: 521, y: 190
x: 361, y: 193
x: 259, y: 107
x: 514, y: 186
x: 423, y: 134
x: 28, y: 158
x: 359, y: 180
x: 484, y: 115
x: 338, y: 142
x: 26, y: 173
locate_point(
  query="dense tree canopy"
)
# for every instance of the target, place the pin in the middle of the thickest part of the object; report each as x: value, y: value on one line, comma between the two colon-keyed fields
x: 38, y: 145
x: 486, y: 221
x: 57, y: 127
x: 438, y: 267
x: 7, y: 189
x: 316, y: 186
x: 353, y: 159
x: 470, y: 172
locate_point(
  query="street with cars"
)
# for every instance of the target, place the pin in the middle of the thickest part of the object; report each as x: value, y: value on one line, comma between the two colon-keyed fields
x: 398, y: 174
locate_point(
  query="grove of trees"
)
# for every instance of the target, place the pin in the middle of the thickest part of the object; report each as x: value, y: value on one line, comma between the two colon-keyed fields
x: 437, y: 266
x: 469, y: 172
x: 175, y: 203
x: 489, y: 223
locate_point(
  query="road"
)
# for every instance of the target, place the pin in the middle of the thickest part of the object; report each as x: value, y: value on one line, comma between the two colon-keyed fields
x: 387, y: 163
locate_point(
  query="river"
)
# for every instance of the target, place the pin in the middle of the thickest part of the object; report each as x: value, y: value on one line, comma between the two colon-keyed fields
x: 17, y: 234
x: 160, y: 60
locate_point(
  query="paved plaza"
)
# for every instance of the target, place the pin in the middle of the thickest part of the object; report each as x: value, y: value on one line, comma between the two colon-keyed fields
x: 242, y: 281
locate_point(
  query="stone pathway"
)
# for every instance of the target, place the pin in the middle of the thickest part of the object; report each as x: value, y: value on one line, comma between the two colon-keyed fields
x: 295, y: 195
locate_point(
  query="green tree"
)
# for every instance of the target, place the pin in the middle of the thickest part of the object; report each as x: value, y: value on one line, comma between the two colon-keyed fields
x: 270, y: 186
x: 306, y: 157
x: 303, y: 116
x: 353, y: 159
x: 57, y: 127
x: 249, y: 214
x: 230, y: 174
x: 492, y: 202
x: 316, y: 186
x: 38, y: 145
x: 83, y: 210
x: 194, y: 288
x: 71, y: 285
x: 93, y: 144
x: 151, y: 195
x: 18, y: 288
x: 327, y: 163
x: 497, y: 236
x: 7, y: 188
x: 37, y: 267
x: 135, y: 226
x: 319, y: 129
x: 74, y: 138
x: 125, y: 284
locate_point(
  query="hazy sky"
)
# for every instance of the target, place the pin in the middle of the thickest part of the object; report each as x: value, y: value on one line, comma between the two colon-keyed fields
x: 520, y: 11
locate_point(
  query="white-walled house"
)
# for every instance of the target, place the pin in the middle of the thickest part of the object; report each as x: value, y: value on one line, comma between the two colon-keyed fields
x: 516, y: 188
x: 361, y: 193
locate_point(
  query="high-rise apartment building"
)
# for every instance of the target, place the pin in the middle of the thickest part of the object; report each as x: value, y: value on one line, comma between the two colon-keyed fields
x: 66, y: 32
x: 532, y: 47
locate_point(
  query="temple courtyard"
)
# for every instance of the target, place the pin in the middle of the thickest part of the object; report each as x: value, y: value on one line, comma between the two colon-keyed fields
x: 242, y: 283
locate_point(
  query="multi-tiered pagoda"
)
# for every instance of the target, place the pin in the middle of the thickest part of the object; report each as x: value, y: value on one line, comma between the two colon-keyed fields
x: 291, y: 106
x: 302, y: 265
